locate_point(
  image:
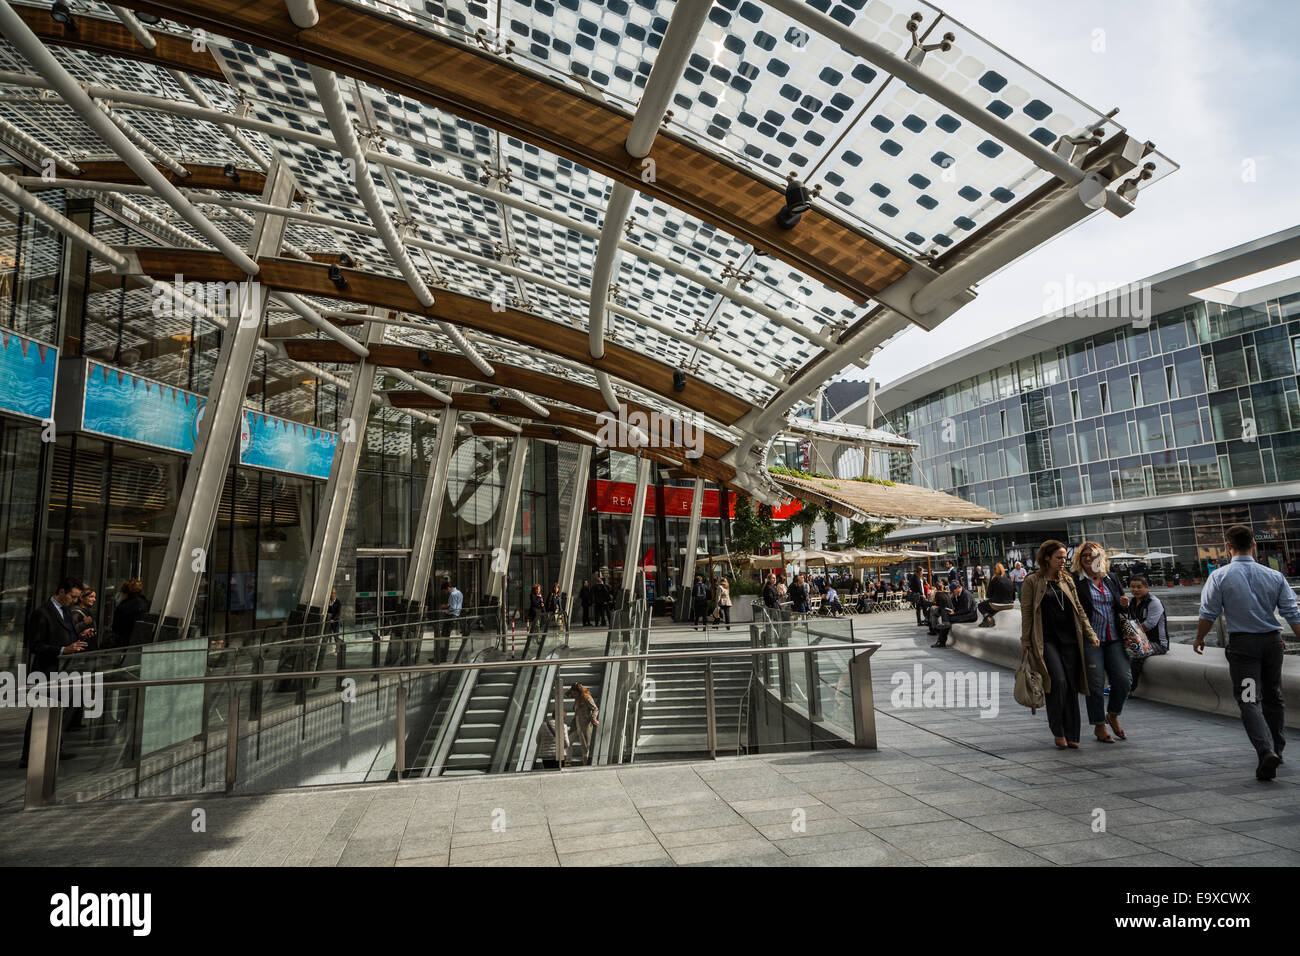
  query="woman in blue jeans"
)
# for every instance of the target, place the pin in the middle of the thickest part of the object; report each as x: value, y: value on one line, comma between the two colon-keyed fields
x: 1103, y: 599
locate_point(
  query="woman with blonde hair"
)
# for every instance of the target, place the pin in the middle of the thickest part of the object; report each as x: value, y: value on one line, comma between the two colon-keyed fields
x: 585, y: 713
x: 1102, y: 597
x: 1054, y: 635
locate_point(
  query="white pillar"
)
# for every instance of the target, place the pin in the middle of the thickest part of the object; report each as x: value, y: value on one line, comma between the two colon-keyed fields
x: 435, y: 492
x: 692, y: 545
x: 573, y: 530
x: 509, y: 511
x: 337, y: 499
x: 633, y: 555
x: 196, y: 516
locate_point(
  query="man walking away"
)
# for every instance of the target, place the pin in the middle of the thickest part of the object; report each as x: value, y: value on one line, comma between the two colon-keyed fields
x: 1247, y: 594
x: 700, y: 604
x: 585, y: 598
x: 916, y: 594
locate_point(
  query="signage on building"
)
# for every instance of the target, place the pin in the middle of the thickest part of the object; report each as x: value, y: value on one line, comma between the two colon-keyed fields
x: 118, y: 404
x: 617, y: 497
x: 27, y: 373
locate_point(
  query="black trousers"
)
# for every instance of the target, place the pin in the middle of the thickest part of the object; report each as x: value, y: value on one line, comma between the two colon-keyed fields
x: 701, y: 614
x: 1255, y: 666
x: 1064, y: 668
x: 920, y: 603
x: 586, y: 615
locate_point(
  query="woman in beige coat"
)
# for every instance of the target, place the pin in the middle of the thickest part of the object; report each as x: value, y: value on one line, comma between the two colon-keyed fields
x: 1053, y: 627
x: 585, y: 713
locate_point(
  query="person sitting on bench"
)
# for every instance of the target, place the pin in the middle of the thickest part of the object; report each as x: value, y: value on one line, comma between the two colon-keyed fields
x: 1002, y: 595
x: 962, y: 611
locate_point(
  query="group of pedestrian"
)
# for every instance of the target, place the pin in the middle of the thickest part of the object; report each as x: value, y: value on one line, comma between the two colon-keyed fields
x: 597, y: 599
x: 546, y: 609
x: 1083, y: 636
x: 702, y: 594
x: 65, y: 625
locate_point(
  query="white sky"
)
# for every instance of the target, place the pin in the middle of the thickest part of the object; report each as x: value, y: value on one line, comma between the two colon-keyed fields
x: 1213, y: 84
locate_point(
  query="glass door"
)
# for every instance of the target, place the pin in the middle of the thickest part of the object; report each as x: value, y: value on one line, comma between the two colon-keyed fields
x: 123, y: 560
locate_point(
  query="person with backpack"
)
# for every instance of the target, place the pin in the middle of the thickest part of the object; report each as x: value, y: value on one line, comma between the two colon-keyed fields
x: 1146, y: 609
x: 700, y: 604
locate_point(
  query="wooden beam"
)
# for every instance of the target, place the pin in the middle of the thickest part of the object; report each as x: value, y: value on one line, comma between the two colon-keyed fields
x: 111, y: 38
x: 311, y: 278
x: 714, y: 447
x: 399, y: 56
x: 202, y: 176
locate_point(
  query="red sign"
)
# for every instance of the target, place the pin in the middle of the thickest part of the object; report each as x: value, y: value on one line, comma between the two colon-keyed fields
x: 617, y: 498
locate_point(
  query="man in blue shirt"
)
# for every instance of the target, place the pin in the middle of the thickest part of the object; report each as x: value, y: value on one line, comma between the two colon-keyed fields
x: 1247, y: 595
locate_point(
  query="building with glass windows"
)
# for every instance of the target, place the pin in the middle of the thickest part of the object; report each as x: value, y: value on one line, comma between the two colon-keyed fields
x: 1149, y: 436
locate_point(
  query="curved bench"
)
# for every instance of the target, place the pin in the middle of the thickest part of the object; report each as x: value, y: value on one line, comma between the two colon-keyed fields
x: 1181, y: 677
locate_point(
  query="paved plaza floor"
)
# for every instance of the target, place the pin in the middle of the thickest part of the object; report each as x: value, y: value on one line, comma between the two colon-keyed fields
x: 946, y: 788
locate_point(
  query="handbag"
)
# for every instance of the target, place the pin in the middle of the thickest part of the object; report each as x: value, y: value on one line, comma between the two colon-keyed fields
x: 1029, y: 686
x: 1136, y: 642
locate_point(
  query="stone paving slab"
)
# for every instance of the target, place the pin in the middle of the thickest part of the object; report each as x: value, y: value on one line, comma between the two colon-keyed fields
x: 948, y: 788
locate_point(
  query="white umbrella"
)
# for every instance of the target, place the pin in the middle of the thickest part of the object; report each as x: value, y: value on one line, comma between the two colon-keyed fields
x: 1158, y: 556
x: 1123, y: 556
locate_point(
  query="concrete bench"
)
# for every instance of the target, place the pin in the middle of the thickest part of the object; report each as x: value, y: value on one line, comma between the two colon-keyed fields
x: 1181, y: 677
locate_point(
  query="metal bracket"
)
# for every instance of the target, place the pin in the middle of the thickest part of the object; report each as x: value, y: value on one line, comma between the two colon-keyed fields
x: 497, y: 49
x: 917, y: 53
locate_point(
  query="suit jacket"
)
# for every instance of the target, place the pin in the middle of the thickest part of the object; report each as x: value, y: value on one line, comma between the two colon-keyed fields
x: 47, y: 634
x: 963, y: 608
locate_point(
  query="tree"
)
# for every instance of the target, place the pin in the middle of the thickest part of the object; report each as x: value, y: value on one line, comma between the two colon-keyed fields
x: 751, y: 528
x: 863, y: 534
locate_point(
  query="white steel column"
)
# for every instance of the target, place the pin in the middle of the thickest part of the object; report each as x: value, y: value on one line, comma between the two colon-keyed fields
x: 573, y: 530
x: 509, y: 511
x: 420, y: 569
x: 633, y: 555
x: 337, y: 499
x: 692, y: 545
x: 187, y: 549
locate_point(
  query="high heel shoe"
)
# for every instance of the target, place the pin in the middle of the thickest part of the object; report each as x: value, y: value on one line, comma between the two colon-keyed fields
x: 1061, y: 743
x: 1113, y: 720
x: 1098, y: 730
x: 1073, y: 745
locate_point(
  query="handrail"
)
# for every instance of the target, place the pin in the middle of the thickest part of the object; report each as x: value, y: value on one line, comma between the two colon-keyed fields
x: 870, y: 646
x: 43, y: 766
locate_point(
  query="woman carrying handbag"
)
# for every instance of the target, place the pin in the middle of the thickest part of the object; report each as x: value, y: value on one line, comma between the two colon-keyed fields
x: 1053, y: 629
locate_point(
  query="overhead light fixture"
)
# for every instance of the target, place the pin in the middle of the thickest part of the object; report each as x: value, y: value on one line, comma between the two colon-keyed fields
x: 557, y: 431
x: 337, y: 277
x: 798, y: 200
x: 424, y: 357
x: 346, y: 261
x: 152, y: 19
x: 679, y: 380
x: 495, y: 403
x: 60, y: 12
x: 230, y: 172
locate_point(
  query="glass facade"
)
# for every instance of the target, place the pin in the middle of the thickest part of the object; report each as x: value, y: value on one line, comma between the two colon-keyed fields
x: 1205, y: 398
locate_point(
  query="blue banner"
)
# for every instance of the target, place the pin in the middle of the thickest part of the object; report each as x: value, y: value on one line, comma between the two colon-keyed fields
x: 280, y: 445
x: 27, y: 370
x: 121, y: 405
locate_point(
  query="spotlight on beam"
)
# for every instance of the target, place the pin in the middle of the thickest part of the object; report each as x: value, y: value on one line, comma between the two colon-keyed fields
x: 679, y: 380
x: 798, y: 200
x: 150, y: 19
x: 424, y: 357
x: 337, y: 277
x: 346, y: 261
x: 495, y: 403
x: 60, y: 12
x: 230, y: 172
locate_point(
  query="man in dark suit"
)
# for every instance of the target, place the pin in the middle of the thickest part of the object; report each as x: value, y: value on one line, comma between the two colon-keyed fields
x: 601, y: 598
x: 585, y: 598
x: 50, y: 636
x: 961, y: 611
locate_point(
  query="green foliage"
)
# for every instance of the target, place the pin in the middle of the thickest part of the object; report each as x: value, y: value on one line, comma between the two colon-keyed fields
x: 791, y: 472
x: 751, y: 528
x: 866, y: 535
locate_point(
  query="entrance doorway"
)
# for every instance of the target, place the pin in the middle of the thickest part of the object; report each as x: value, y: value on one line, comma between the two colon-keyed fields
x: 381, y: 579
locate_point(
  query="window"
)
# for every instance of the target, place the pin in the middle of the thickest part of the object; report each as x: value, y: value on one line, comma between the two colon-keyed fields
x: 1105, y: 396
x: 1211, y: 379
x: 1170, y: 385
x: 1252, y: 363
x: 1136, y: 386
x: 1074, y: 403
